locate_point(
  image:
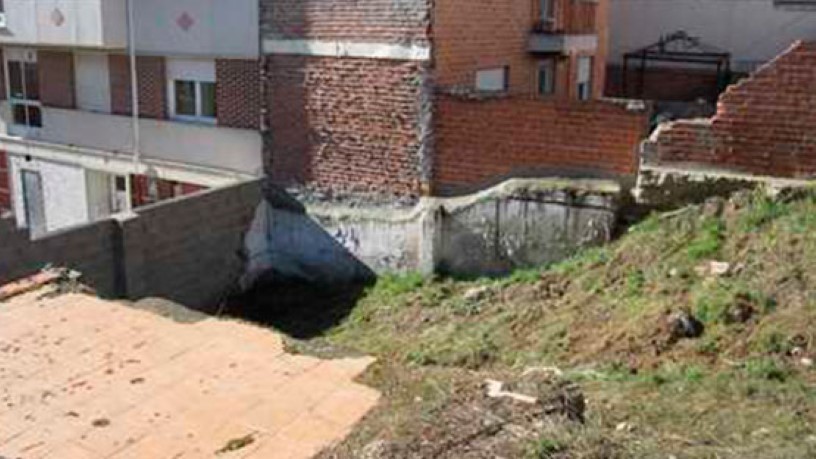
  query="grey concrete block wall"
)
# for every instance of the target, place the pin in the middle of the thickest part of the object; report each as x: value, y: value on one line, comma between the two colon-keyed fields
x: 188, y: 249
x: 88, y: 249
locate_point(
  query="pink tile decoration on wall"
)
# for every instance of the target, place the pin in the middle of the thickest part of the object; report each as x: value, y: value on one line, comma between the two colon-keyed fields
x: 57, y: 18
x: 185, y: 21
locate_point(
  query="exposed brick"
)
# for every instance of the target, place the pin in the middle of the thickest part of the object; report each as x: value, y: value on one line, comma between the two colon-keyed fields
x: 764, y: 124
x: 472, y: 35
x: 362, y: 20
x: 663, y: 83
x: 345, y: 124
x: 151, y: 82
x: 480, y: 142
x: 238, y: 93
x: 56, y: 75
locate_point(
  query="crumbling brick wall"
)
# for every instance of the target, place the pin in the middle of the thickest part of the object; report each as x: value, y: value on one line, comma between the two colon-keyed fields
x: 480, y: 142
x: 362, y: 20
x: 238, y: 94
x: 764, y: 125
x: 56, y: 75
x: 151, y: 81
x: 345, y: 124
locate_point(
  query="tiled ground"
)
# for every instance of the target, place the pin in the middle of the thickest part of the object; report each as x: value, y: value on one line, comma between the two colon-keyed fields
x: 84, y: 378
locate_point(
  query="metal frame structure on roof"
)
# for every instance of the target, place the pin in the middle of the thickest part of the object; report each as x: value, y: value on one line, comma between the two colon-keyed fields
x: 677, y: 47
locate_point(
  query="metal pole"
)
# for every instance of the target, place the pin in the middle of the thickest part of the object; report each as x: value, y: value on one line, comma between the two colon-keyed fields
x: 134, y: 95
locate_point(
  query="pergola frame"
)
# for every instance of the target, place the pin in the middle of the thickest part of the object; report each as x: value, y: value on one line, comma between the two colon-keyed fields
x: 690, y: 51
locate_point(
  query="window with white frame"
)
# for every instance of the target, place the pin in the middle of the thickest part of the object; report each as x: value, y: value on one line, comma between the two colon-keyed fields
x: 23, y: 87
x: 494, y: 79
x: 546, y: 77
x: 584, y: 78
x: 192, y: 90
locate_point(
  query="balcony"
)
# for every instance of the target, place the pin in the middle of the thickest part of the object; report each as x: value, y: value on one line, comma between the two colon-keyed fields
x: 71, y: 23
x: 560, y: 43
x: 571, y: 27
x: 220, y: 150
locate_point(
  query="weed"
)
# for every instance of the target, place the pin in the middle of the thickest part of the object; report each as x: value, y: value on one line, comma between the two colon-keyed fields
x: 524, y: 276
x: 767, y: 368
x: 545, y: 448
x: 762, y: 210
x: 635, y: 281
x: 708, y: 240
x: 398, y: 284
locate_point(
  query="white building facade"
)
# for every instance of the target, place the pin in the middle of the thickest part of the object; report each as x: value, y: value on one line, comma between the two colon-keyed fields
x: 71, y: 148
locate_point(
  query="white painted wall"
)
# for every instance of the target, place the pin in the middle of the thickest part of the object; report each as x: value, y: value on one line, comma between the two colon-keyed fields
x: 218, y: 27
x: 92, y: 82
x: 82, y: 23
x: 752, y: 30
x: 63, y: 192
x: 194, y: 144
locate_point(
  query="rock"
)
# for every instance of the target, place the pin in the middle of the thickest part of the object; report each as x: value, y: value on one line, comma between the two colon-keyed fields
x: 378, y: 449
x: 713, y: 207
x: 476, y: 294
x: 625, y: 427
x: 495, y: 389
x: 684, y: 325
x: 713, y: 268
x: 741, y: 311
x: 806, y: 362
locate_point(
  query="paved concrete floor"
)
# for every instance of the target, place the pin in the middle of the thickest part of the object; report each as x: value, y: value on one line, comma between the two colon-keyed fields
x: 84, y: 378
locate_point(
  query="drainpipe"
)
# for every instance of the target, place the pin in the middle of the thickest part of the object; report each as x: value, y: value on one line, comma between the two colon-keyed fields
x: 134, y: 98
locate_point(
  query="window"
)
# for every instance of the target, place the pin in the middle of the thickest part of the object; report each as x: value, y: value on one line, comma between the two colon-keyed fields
x: 494, y: 79
x: 192, y: 90
x: 546, y: 77
x: 584, y: 78
x: 795, y: 5
x: 547, y: 10
x: 24, y: 87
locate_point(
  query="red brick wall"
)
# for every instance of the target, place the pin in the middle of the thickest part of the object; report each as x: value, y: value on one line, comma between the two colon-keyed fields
x: 56, y: 75
x: 152, y: 83
x: 238, y: 94
x: 361, y: 20
x: 167, y: 189
x: 662, y: 83
x: 764, y: 124
x: 480, y: 142
x: 5, y: 185
x: 472, y: 35
x: 344, y: 124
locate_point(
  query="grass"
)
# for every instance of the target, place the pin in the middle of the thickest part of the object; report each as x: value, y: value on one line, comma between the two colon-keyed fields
x: 737, y: 391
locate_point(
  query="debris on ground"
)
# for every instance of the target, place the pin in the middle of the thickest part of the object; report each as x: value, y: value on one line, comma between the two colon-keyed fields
x: 237, y: 443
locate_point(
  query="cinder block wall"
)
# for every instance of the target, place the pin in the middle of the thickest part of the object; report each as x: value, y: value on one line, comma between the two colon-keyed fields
x: 764, y: 124
x: 91, y: 249
x: 480, y: 142
x: 188, y: 249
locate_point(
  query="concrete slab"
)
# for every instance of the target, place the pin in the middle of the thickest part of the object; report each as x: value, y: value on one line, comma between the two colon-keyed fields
x: 81, y: 377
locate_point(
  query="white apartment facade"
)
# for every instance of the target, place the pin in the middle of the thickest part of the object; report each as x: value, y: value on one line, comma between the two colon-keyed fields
x: 71, y: 148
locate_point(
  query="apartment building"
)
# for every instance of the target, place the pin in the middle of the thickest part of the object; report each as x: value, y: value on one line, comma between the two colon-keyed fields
x: 72, y: 149
x: 359, y: 93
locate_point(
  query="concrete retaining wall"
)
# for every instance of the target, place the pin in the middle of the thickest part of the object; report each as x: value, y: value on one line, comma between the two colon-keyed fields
x: 517, y: 224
